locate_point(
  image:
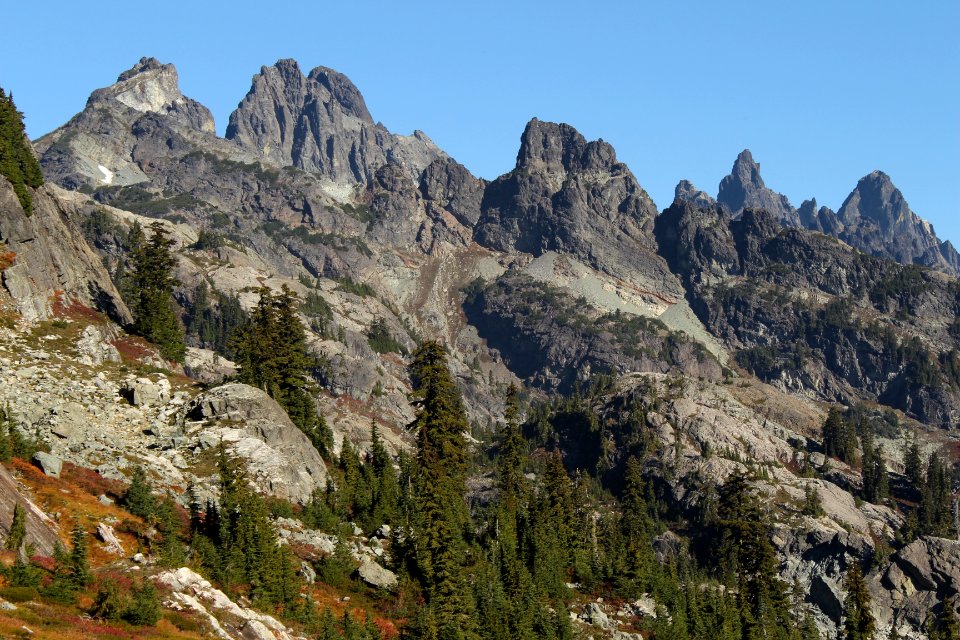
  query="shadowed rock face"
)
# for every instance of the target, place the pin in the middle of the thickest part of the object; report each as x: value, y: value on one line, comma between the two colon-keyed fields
x: 744, y: 189
x: 320, y: 123
x: 52, y: 257
x: 572, y: 196
x: 876, y: 218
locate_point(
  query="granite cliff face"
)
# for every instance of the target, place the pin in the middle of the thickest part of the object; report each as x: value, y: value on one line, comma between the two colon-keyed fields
x: 320, y: 123
x: 52, y: 264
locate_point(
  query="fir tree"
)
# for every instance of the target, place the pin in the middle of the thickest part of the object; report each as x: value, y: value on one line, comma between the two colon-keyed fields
x: 271, y: 352
x: 152, y: 281
x: 441, y: 520
x: 858, y: 621
x: 17, y: 162
x: 139, y: 499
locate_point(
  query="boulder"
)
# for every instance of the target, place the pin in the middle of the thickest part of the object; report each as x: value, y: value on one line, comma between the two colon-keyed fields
x: 280, y: 459
x: 145, y: 392
x: 50, y: 464
x: 93, y: 348
x: 376, y: 576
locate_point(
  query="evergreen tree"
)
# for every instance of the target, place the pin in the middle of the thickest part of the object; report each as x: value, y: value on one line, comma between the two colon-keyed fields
x: 858, y: 621
x: 946, y: 626
x: 144, y: 609
x: 271, y: 352
x: 441, y: 520
x: 152, y: 282
x: 139, y: 499
x: 839, y: 437
x: 17, y: 162
x: 913, y: 466
x: 18, y: 528
x: 78, y: 560
x: 876, y: 485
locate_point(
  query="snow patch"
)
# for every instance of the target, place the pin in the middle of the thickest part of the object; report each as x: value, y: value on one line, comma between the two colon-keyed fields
x: 107, y: 174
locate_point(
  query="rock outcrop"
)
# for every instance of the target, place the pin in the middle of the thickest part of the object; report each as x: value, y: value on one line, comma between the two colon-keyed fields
x: 745, y: 189
x: 279, y: 457
x: 97, y: 146
x: 52, y: 264
x: 41, y: 530
x: 320, y: 123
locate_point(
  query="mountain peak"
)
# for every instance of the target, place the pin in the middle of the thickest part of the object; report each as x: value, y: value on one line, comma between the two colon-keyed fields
x: 144, y: 65
x: 744, y: 188
x: 147, y: 86
x: 560, y: 148
x: 876, y: 218
x: 320, y: 123
x: 686, y: 191
x: 342, y: 90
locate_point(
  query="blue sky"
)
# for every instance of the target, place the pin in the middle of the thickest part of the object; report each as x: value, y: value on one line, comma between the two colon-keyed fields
x: 821, y: 92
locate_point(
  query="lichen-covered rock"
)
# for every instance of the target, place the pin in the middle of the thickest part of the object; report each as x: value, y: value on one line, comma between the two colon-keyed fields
x: 377, y: 576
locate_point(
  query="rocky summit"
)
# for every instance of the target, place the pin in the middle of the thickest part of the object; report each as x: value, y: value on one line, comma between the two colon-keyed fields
x: 315, y: 378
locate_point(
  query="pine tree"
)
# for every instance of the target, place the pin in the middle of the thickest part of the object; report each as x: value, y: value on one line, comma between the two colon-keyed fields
x: 152, y: 281
x: 946, y: 626
x: 17, y: 162
x: 858, y: 621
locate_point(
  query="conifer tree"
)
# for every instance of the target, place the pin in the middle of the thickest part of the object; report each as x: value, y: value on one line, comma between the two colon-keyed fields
x: 945, y: 626
x: 152, y: 282
x: 858, y: 621
x: 441, y: 520
x: 271, y: 352
x: 18, y: 528
x: 17, y: 162
x: 139, y: 499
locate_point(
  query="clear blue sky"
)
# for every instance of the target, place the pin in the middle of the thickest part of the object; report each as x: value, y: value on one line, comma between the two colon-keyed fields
x: 821, y: 92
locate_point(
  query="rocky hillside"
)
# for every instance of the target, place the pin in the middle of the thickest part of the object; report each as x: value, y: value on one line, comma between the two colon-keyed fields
x: 698, y: 343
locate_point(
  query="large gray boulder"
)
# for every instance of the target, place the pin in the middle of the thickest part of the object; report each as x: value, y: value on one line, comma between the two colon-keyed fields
x: 279, y: 458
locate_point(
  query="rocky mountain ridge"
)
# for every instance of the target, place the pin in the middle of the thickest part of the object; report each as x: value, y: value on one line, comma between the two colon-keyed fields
x: 875, y: 218
x: 558, y: 275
